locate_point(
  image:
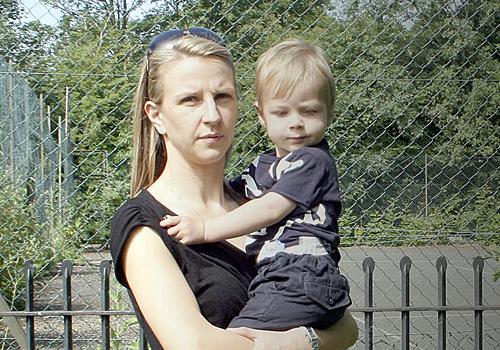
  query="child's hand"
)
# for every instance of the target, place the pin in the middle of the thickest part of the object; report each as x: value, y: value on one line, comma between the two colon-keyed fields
x: 186, y: 229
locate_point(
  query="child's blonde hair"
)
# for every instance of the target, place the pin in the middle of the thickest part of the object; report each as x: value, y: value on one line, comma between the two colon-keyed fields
x: 290, y: 63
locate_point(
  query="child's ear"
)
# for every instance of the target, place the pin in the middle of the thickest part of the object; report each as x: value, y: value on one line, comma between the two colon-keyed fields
x: 154, y: 115
x: 262, y: 121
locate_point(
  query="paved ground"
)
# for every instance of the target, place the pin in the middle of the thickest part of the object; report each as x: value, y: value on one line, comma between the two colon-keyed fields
x: 387, y: 326
x: 423, y: 292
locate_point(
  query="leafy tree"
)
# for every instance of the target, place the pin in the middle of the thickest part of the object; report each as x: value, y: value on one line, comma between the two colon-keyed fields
x: 22, y: 43
x: 413, y: 77
x: 10, y: 19
x: 113, y: 14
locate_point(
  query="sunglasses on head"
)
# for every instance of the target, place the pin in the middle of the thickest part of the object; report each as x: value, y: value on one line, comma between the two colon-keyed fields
x: 174, y: 34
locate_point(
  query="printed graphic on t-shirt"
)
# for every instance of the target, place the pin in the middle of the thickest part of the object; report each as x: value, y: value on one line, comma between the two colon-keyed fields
x: 307, y: 176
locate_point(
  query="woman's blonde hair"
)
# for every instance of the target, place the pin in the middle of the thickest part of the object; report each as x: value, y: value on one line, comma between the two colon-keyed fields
x: 149, y: 155
x: 290, y: 63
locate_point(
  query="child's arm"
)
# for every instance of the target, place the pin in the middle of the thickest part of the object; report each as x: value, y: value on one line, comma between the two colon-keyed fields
x: 251, y: 216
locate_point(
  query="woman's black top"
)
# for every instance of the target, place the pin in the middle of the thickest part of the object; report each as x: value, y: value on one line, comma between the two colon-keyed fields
x: 218, y: 273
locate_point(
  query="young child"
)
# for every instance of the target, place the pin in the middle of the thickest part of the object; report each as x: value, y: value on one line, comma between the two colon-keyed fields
x: 291, y: 218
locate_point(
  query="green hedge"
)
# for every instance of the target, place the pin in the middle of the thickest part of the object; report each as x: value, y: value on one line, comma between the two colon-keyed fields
x: 23, y: 237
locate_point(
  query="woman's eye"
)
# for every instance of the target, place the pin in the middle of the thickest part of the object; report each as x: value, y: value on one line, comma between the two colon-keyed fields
x: 223, y: 96
x: 189, y: 99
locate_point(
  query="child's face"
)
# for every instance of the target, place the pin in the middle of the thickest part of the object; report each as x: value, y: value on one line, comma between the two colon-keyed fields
x: 295, y: 121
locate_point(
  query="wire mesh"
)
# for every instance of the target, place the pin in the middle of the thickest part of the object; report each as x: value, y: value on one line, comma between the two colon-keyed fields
x: 415, y: 134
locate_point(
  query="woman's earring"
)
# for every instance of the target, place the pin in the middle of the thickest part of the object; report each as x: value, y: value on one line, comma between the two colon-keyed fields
x: 160, y: 129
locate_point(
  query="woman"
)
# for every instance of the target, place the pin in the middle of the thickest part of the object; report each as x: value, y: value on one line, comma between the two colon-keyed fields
x: 184, y: 119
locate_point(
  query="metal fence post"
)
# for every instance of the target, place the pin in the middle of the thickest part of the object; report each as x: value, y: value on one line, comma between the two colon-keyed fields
x: 441, y: 266
x: 405, y: 265
x: 29, y: 272
x: 368, y: 267
x: 67, y: 149
x: 478, y: 265
x: 105, y: 330
x: 143, y: 343
x: 67, y: 269
x: 10, y: 103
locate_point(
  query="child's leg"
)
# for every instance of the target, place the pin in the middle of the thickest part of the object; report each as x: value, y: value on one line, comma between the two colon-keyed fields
x: 295, y: 290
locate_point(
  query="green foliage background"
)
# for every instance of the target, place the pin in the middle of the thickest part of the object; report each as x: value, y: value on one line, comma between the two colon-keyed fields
x: 418, y: 94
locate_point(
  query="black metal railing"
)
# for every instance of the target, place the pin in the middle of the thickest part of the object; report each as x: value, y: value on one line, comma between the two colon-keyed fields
x: 442, y: 308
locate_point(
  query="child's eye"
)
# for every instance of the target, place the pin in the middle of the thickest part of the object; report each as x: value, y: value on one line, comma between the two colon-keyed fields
x: 280, y: 113
x: 309, y: 112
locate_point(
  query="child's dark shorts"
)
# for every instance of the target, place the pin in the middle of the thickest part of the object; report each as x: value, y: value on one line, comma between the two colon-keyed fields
x: 295, y: 290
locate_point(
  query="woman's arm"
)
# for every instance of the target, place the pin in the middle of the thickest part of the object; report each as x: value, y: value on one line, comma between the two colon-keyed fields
x: 172, y: 312
x: 341, y: 335
x: 165, y: 299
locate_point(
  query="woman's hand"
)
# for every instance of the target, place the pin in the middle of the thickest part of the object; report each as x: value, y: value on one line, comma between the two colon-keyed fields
x: 293, y: 339
x: 186, y: 229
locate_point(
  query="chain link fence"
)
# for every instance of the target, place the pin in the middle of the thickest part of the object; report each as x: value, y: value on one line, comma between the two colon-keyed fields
x: 416, y: 137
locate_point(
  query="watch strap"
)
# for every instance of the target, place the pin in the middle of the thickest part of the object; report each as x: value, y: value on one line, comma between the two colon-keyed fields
x: 313, y: 338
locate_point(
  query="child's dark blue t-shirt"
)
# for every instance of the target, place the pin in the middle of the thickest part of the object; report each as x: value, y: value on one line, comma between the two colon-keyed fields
x: 307, y: 176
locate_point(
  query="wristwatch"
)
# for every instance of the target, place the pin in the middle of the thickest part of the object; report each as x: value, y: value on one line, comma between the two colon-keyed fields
x: 313, y: 338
